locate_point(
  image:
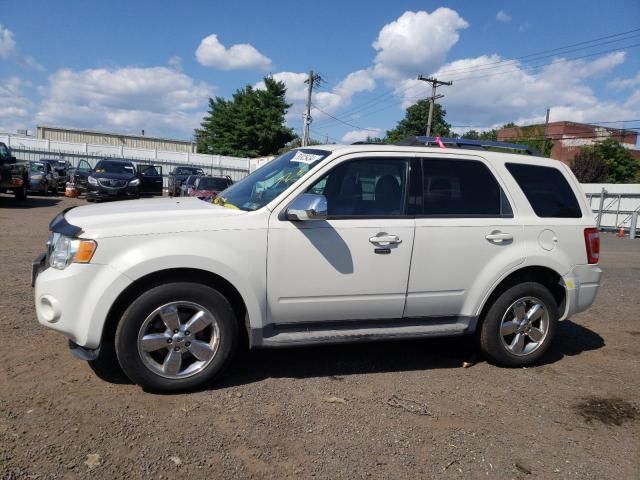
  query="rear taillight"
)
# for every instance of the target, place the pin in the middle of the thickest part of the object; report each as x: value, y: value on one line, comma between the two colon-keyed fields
x: 592, y: 243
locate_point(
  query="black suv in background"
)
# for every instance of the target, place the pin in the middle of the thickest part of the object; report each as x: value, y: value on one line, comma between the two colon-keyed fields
x: 119, y: 180
x: 178, y: 176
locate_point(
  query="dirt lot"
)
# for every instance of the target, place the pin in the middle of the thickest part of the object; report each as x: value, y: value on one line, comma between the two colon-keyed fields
x: 385, y: 410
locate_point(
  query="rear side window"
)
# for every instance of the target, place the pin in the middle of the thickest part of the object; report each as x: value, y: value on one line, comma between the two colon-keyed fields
x: 462, y: 188
x: 547, y: 190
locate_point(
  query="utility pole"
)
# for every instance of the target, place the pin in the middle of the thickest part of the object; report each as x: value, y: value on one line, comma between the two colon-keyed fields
x: 435, y: 83
x: 313, y: 79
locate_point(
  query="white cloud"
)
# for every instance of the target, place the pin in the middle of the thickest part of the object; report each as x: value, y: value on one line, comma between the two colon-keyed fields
x: 516, y: 94
x: 212, y: 53
x: 159, y: 100
x: 623, y: 83
x: 15, y: 108
x: 503, y: 16
x: 7, y: 43
x: 362, y: 135
x: 416, y: 42
x: 328, y: 101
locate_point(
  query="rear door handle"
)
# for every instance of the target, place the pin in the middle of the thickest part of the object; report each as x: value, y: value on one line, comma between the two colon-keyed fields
x: 385, y: 239
x: 499, y: 237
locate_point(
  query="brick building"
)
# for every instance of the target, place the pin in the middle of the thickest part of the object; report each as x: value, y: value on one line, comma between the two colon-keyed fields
x: 569, y: 137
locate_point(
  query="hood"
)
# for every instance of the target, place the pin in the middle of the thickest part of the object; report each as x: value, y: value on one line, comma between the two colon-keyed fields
x: 149, y: 216
x: 115, y: 176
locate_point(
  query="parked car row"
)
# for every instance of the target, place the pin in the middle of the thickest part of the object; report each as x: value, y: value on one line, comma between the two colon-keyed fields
x: 110, y: 179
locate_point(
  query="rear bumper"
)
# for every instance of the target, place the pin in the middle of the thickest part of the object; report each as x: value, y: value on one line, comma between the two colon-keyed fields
x: 581, y: 284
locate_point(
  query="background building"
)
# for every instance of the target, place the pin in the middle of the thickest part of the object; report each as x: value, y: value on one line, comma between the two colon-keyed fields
x: 93, y: 137
x: 569, y: 137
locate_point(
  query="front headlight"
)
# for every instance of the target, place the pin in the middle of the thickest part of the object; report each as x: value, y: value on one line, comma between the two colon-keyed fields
x: 67, y: 250
x: 92, y: 181
x: 135, y: 182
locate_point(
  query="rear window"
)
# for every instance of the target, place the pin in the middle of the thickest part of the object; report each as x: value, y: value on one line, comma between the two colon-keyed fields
x: 547, y: 190
x: 462, y: 188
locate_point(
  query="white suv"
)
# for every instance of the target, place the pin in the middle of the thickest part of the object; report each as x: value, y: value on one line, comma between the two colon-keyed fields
x: 323, y: 245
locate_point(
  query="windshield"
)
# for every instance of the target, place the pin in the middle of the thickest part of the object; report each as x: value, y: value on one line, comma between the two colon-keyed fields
x: 105, y: 166
x: 215, y: 184
x: 269, y: 181
x: 37, y: 168
x: 189, y: 171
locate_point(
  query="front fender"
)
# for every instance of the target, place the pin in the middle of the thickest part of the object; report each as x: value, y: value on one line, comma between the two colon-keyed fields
x: 238, y: 256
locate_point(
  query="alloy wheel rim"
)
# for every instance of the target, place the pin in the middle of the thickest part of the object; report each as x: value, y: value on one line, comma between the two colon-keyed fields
x: 179, y: 339
x: 524, y: 326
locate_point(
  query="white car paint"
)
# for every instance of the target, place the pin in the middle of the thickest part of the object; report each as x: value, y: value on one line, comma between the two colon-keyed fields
x: 289, y: 272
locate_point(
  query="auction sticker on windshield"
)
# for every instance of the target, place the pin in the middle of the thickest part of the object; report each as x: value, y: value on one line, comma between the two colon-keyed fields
x: 308, y: 158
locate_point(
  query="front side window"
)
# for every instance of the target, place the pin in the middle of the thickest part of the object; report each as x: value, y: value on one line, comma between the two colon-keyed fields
x: 266, y: 183
x: 83, y: 166
x: 37, y: 168
x: 462, y: 188
x: 547, y: 190
x: 4, y: 151
x: 364, y: 188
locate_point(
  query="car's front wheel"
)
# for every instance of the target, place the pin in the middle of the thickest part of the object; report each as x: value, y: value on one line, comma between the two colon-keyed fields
x: 519, y: 327
x: 176, y: 336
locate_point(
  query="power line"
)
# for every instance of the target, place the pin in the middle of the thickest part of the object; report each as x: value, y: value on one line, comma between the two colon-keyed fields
x: 372, y: 102
x: 560, y: 50
x: 337, y: 119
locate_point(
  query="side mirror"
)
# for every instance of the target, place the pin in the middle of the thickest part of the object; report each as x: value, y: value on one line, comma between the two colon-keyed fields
x: 308, y: 206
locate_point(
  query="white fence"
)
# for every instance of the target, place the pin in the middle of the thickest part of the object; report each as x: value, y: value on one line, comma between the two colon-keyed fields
x: 31, y: 148
x: 613, y: 204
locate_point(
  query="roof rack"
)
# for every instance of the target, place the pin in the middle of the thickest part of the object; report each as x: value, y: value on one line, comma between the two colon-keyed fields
x: 464, y: 143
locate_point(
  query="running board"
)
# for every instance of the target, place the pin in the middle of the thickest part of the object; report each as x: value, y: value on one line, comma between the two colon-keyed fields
x: 300, y: 334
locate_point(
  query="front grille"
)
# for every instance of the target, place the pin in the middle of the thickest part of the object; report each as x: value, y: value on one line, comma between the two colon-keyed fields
x: 111, y: 183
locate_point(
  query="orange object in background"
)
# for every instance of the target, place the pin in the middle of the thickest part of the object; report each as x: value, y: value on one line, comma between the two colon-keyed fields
x: 620, y: 232
x: 70, y: 190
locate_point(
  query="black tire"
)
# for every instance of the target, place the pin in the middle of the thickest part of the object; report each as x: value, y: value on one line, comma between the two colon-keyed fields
x: 126, y: 337
x: 21, y: 193
x: 489, y: 335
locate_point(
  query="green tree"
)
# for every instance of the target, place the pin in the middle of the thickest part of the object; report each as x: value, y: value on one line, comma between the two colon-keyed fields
x: 415, y: 123
x: 621, y: 165
x: 471, y: 135
x: 297, y: 143
x: 589, y: 167
x: 251, y: 124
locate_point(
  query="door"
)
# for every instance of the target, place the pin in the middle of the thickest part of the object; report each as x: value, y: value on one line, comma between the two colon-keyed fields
x: 355, y: 264
x: 465, y: 236
x: 150, y: 179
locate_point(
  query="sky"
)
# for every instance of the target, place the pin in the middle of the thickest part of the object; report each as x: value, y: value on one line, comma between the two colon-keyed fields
x: 128, y: 66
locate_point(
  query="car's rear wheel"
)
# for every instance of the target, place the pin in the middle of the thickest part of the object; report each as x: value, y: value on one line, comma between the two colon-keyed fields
x: 519, y: 327
x: 176, y: 336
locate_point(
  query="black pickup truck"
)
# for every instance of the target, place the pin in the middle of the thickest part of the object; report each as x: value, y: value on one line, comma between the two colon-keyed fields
x: 13, y: 176
x: 178, y: 176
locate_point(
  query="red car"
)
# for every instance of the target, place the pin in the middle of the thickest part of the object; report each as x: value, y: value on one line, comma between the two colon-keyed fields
x: 207, y: 188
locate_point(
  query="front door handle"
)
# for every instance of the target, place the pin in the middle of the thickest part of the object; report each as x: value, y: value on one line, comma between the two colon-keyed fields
x: 499, y: 237
x: 383, y: 239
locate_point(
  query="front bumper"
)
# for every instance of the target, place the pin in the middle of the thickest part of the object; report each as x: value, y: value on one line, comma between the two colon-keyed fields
x: 581, y: 285
x: 102, y: 193
x: 76, y: 301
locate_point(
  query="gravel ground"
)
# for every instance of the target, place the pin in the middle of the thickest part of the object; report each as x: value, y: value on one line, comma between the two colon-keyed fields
x: 382, y: 410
